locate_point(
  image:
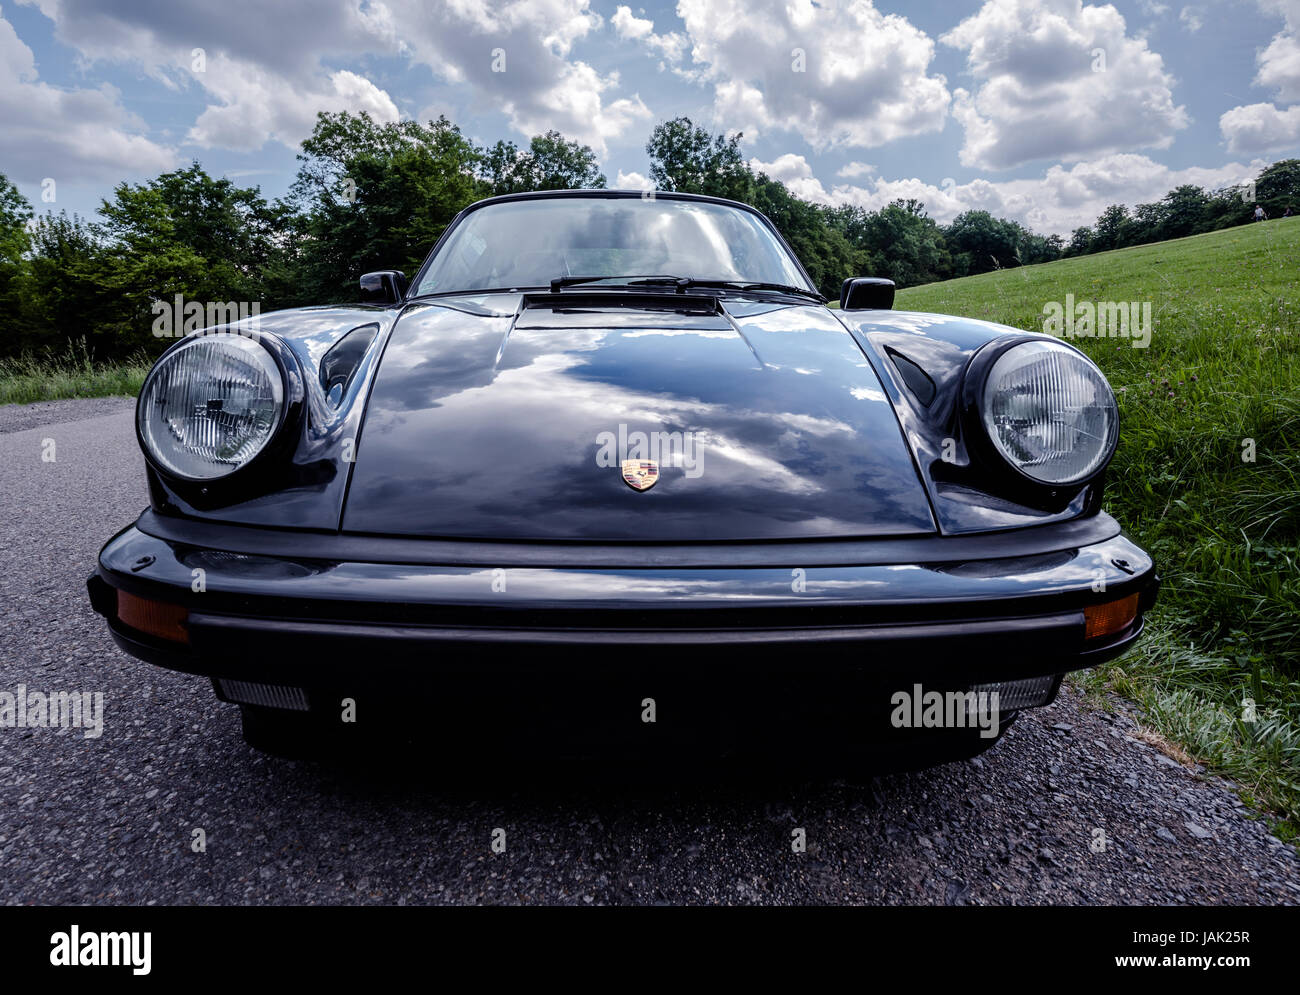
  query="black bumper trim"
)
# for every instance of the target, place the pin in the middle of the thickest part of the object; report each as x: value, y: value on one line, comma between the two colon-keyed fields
x: 313, y: 654
x: 1030, y: 541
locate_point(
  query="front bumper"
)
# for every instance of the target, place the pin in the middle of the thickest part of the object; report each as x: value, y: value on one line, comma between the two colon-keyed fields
x: 313, y: 610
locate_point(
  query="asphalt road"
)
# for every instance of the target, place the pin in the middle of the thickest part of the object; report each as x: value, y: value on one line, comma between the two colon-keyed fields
x: 111, y: 819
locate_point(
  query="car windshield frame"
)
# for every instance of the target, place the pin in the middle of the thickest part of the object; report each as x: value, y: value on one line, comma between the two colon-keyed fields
x: 605, y: 284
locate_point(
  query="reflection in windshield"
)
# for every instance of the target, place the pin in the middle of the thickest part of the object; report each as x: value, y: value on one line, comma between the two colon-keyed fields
x: 529, y: 243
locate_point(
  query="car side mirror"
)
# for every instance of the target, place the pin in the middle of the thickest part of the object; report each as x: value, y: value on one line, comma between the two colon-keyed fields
x: 865, y: 293
x: 385, y: 286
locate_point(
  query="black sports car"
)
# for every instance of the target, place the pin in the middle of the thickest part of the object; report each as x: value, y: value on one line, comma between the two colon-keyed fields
x: 612, y: 452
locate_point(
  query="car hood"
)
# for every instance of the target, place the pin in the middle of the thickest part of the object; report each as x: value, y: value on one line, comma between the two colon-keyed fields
x: 508, y: 416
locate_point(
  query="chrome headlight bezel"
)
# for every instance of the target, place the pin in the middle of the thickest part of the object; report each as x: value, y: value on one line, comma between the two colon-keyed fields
x: 992, y: 453
x: 290, y: 407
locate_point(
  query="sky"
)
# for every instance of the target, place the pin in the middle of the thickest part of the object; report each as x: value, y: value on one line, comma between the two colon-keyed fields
x: 1045, y: 111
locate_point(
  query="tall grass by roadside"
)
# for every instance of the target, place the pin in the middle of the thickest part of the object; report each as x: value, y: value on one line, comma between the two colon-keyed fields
x: 74, y: 372
x: 1219, y: 671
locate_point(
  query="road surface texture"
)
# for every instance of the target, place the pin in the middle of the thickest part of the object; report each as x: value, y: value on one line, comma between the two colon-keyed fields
x: 1068, y: 808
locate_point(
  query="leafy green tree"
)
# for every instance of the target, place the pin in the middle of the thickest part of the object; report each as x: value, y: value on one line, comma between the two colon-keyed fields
x: 1080, y: 242
x: 15, y: 215
x: 1113, y: 229
x: 1278, y: 187
x: 825, y: 253
x: 1228, y: 207
x: 906, y: 244
x: 376, y: 196
x: 1184, y: 211
x: 1148, y: 224
x: 184, y: 233
x: 60, y: 293
x: 549, y: 163
x: 187, y: 215
x: 687, y: 159
x: 988, y: 242
x: 1036, y: 248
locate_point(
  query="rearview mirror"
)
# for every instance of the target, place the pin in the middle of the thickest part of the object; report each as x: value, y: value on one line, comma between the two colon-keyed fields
x: 866, y: 293
x: 384, y: 286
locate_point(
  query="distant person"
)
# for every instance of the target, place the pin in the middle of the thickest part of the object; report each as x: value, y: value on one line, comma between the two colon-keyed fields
x: 1259, y: 213
x: 1287, y: 213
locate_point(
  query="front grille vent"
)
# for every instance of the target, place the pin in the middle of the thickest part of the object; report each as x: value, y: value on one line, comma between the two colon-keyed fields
x: 266, y: 695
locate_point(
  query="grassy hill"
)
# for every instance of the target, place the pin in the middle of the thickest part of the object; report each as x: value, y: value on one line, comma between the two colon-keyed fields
x: 1222, y: 367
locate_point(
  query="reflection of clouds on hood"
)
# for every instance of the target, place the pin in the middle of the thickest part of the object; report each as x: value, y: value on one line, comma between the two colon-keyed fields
x: 473, y: 418
x: 867, y: 393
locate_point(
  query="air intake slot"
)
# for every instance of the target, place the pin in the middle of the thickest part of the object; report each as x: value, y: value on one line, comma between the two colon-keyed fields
x: 265, y: 695
x: 622, y: 300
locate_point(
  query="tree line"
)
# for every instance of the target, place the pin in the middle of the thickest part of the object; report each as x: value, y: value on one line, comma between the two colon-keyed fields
x: 376, y: 196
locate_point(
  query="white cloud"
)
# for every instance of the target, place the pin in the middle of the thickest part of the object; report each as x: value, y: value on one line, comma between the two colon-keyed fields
x: 1057, y: 202
x: 628, y: 26
x: 632, y: 181
x: 1264, y: 127
x: 1279, y: 66
x: 67, y: 134
x: 539, y: 86
x: 1058, y: 80
x: 254, y: 108
x: 574, y: 105
x: 1279, y: 63
x: 838, y: 72
x: 795, y: 172
x: 1260, y: 128
x: 267, y: 89
x: 1192, y: 18
x: 854, y: 170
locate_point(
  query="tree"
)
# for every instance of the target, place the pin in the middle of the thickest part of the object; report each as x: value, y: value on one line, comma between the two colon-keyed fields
x: 1229, y: 206
x: 906, y: 244
x: 1080, y: 242
x: 376, y: 196
x: 1112, y: 229
x: 1040, y: 249
x: 1148, y: 224
x: 1278, y: 187
x: 988, y: 242
x: 15, y: 215
x: 549, y: 163
x: 688, y: 159
x: 825, y: 253
x: 1184, y: 210
x: 58, y: 294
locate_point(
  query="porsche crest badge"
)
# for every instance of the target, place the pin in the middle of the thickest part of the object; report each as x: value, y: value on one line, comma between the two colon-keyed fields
x: 640, y: 474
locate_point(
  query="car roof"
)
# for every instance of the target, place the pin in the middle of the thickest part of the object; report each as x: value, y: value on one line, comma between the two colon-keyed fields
x: 601, y: 192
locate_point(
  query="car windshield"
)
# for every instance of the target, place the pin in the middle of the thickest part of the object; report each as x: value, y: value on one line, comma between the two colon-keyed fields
x: 529, y: 243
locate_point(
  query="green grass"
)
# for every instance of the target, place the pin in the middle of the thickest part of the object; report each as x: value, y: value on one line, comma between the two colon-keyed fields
x: 49, y: 376
x: 1223, y: 366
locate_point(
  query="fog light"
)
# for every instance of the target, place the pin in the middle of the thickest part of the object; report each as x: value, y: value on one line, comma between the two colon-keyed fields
x: 266, y: 695
x: 1112, y: 617
x: 1031, y: 692
x: 156, y: 618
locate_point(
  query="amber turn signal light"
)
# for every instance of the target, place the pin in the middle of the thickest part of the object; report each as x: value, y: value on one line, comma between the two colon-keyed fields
x: 1112, y: 617
x: 157, y: 618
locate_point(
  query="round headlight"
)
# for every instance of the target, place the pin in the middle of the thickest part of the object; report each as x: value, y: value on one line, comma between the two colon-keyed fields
x: 1050, y: 412
x: 210, y: 406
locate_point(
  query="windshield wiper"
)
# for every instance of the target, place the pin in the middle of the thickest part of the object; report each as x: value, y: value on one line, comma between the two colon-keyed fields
x: 682, y: 283
x: 569, y: 281
x: 756, y: 285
